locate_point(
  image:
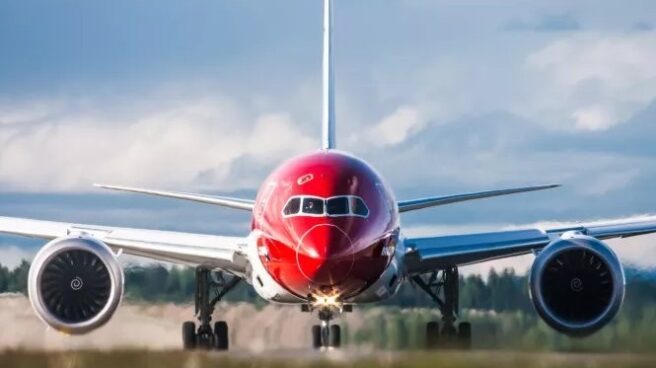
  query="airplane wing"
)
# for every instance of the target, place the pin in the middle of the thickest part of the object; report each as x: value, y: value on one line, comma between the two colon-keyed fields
x: 227, y: 253
x: 416, y: 204
x: 237, y: 203
x: 430, y: 253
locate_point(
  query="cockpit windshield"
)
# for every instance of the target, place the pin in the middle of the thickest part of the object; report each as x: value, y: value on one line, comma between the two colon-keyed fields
x: 358, y: 207
x: 313, y: 206
x: 292, y: 207
x: 332, y: 207
x: 337, y: 206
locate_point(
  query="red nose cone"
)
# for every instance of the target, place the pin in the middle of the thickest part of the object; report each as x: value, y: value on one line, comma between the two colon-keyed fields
x: 324, y: 255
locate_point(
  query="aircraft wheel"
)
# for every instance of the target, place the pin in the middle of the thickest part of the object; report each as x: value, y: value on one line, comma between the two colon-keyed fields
x: 464, y: 335
x: 221, y: 335
x: 335, y: 336
x: 189, y: 335
x: 316, y: 337
x: 432, y: 334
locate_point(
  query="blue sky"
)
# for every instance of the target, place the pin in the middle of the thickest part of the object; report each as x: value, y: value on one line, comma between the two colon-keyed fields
x: 441, y: 96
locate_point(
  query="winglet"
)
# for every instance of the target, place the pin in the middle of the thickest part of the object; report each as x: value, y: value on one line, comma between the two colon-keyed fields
x: 237, y: 203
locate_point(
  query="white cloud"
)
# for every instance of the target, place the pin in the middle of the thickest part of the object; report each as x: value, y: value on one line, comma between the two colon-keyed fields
x: 28, y: 112
x: 396, y: 127
x: 275, y: 134
x: 608, y: 181
x: 164, y: 147
x: 12, y: 255
x: 588, y: 81
x: 591, y: 81
x: 593, y: 118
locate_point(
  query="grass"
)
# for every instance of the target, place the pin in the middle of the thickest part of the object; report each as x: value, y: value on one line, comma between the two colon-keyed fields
x: 177, y: 359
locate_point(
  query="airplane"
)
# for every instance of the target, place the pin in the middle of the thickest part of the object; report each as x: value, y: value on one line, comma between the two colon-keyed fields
x: 325, y: 235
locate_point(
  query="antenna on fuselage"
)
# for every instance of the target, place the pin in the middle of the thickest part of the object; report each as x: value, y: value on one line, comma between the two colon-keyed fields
x: 328, y: 121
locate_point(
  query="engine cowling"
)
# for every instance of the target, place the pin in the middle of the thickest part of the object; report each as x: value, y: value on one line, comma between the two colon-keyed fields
x: 577, y: 284
x: 75, y: 284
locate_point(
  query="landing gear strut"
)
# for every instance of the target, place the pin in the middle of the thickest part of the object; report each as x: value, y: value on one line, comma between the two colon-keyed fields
x: 443, y: 287
x: 326, y: 335
x: 205, y: 336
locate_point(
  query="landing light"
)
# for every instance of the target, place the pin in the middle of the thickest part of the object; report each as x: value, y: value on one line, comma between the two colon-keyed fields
x: 326, y: 301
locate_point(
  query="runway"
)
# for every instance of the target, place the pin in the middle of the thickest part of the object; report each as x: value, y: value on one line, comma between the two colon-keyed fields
x: 158, y: 327
x: 177, y: 359
x: 143, y: 335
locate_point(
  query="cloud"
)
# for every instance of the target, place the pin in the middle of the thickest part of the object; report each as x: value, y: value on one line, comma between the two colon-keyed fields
x: 545, y: 23
x: 607, y: 182
x: 166, y: 146
x: 12, y: 255
x: 396, y: 127
x: 28, y: 112
x: 642, y: 26
x: 591, y: 81
x: 275, y: 134
x: 593, y: 118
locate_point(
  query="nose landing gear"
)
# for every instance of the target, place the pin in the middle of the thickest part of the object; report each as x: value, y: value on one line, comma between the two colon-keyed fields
x: 325, y: 335
x: 206, y: 337
x: 443, y: 287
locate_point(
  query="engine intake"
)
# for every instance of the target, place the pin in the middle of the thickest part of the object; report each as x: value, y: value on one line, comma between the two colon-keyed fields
x: 577, y: 284
x: 75, y: 284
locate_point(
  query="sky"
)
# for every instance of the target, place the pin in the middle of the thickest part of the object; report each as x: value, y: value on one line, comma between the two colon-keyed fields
x: 440, y: 96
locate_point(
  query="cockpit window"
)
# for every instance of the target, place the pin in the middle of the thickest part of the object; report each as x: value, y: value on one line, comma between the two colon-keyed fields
x: 358, y: 207
x: 292, y: 207
x: 313, y: 206
x: 337, y: 206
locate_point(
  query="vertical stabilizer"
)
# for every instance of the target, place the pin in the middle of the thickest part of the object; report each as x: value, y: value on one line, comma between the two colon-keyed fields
x: 328, y: 129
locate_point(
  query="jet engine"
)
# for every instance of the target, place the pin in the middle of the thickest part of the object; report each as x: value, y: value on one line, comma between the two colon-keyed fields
x: 577, y: 284
x: 75, y: 284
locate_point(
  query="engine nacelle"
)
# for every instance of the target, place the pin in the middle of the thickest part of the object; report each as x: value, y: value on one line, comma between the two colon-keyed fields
x: 75, y: 284
x: 577, y: 284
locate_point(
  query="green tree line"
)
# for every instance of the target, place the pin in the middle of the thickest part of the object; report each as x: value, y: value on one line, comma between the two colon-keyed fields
x: 498, y: 306
x: 503, y: 291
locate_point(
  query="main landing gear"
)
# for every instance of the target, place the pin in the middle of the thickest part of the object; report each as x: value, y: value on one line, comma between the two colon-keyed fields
x: 443, y: 287
x: 206, y: 337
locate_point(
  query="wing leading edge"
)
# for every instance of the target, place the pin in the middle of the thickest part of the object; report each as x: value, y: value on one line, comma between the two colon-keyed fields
x: 237, y: 203
x: 430, y: 253
x: 416, y: 204
x: 213, y: 251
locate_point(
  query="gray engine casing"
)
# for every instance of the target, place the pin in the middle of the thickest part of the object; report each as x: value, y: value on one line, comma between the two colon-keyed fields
x: 75, y: 284
x: 577, y: 284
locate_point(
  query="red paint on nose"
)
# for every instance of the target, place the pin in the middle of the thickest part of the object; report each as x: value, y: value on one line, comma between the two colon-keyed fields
x: 324, y: 255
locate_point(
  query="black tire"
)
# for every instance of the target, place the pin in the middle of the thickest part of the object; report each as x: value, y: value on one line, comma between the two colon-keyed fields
x: 432, y: 334
x: 465, y: 335
x: 335, y: 336
x: 221, y: 335
x: 316, y: 336
x: 189, y: 335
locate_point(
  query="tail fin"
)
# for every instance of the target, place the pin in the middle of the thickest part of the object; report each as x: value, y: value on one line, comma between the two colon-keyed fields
x: 328, y: 130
